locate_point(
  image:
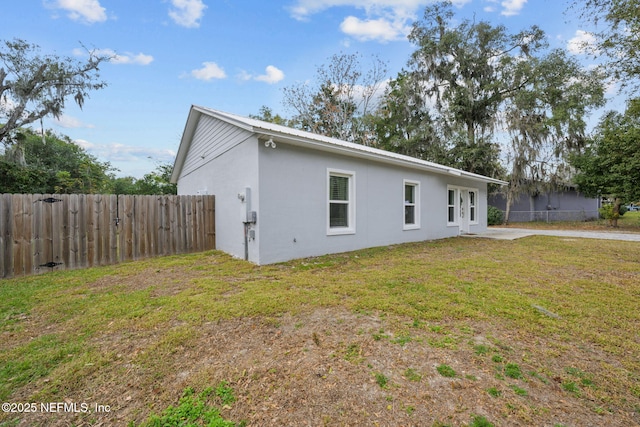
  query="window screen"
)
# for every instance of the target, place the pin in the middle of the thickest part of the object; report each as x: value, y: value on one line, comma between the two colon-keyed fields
x: 338, y: 201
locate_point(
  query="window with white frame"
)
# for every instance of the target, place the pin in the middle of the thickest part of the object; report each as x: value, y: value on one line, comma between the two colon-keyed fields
x: 341, y: 202
x: 473, y: 196
x: 411, y: 205
x: 451, y: 206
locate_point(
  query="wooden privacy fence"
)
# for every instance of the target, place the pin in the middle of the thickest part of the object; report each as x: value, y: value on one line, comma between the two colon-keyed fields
x: 44, y: 232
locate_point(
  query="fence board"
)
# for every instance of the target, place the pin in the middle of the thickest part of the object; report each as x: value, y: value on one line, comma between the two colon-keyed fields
x: 39, y: 231
x: 57, y: 232
x: 196, y: 224
x: 83, y: 244
x: 168, y: 226
x: 103, y: 229
x: 73, y: 232
x: 153, y: 209
x: 211, y: 225
x: 27, y: 238
x: 113, y: 228
x: 127, y: 242
x: 175, y: 233
x: 144, y: 237
x: 65, y: 244
x: 5, y: 232
x: 90, y: 224
x: 164, y: 212
x: 85, y: 230
x: 18, y: 217
x: 188, y: 224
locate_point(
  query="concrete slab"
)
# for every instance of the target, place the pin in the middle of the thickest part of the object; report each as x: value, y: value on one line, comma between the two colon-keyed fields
x: 517, y: 233
x: 501, y: 234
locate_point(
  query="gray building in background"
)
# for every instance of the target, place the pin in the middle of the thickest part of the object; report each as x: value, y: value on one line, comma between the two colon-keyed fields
x: 282, y: 193
x: 561, y: 205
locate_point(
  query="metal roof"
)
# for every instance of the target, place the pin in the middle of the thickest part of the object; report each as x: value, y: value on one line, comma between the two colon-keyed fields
x: 280, y: 133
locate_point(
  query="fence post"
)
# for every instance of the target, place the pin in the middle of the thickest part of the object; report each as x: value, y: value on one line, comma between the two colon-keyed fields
x: 6, y: 264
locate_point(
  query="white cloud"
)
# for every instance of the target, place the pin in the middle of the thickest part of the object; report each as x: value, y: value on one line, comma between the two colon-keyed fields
x: 117, y: 58
x: 384, y: 20
x: 88, y: 11
x: 209, y: 71
x: 581, y: 43
x: 130, y: 58
x: 84, y: 144
x: 512, y: 7
x: 302, y: 9
x: 374, y: 29
x: 116, y: 152
x: 272, y: 75
x: 187, y: 13
x: 69, y: 122
x: 460, y: 3
x: 243, y: 75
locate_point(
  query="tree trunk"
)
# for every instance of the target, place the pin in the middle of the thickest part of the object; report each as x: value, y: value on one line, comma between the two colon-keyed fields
x: 616, y: 211
x: 507, y: 210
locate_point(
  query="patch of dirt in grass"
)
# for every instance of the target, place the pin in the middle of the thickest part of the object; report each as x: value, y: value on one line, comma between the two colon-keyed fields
x: 147, y: 278
x: 324, y: 368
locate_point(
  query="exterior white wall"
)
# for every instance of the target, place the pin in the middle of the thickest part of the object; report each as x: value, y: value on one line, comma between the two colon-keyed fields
x: 225, y: 171
x: 288, y: 189
x: 292, y: 221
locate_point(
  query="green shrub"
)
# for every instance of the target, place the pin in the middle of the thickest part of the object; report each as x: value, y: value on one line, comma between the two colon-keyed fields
x: 622, y: 209
x: 606, y: 212
x: 494, y: 216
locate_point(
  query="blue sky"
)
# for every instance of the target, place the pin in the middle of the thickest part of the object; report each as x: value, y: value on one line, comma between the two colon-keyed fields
x: 231, y: 55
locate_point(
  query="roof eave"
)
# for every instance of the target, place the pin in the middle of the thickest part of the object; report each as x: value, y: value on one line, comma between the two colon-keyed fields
x: 323, y: 143
x: 185, y: 142
x: 382, y: 157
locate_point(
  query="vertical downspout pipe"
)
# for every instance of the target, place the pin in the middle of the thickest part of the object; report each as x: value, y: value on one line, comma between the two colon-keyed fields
x: 247, y: 201
x: 246, y: 241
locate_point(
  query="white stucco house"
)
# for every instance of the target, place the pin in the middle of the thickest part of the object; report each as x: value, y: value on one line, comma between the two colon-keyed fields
x: 282, y: 193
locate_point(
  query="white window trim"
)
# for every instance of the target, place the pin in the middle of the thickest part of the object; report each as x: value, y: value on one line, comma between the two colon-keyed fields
x: 351, y: 209
x: 456, y: 205
x: 456, y: 209
x: 416, y: 204
x: 475, y: 206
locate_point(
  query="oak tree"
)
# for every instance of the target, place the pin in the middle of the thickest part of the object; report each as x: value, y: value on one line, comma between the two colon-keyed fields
x: 467, y: 72
x: 33, y: 85
x: 340, y: 100
x: 609, y: 165
x: 617, y: 37
x: 546, y: 121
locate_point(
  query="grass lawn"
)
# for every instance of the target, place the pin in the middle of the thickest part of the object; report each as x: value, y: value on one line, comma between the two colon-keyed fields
x: 537, y: 331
